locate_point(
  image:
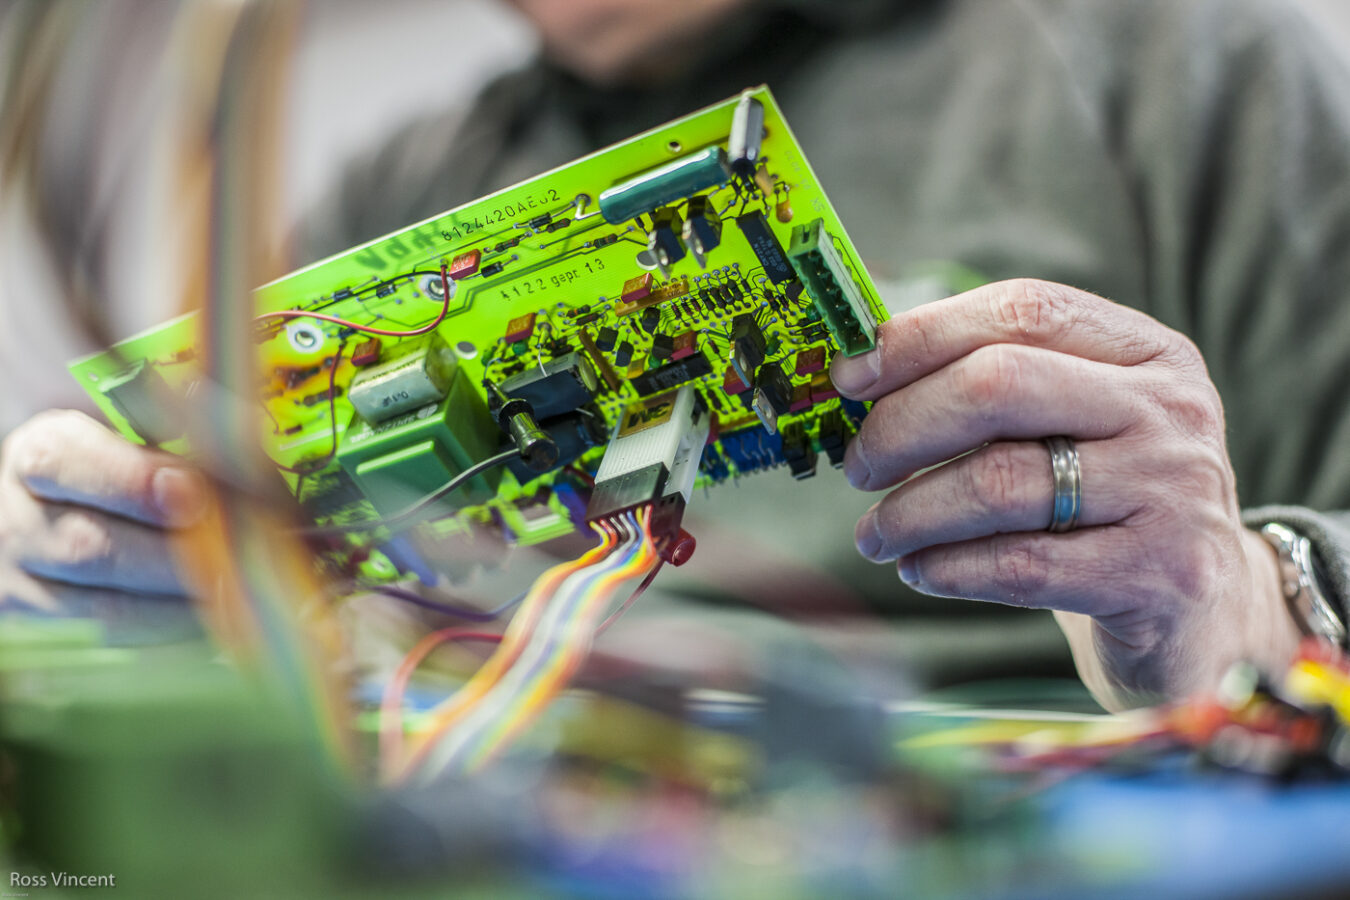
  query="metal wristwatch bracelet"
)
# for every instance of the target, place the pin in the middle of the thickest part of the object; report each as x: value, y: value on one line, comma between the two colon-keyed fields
x: 1301, y: 585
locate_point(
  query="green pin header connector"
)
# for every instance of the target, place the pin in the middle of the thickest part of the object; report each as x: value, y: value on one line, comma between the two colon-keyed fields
x: 832, y: 288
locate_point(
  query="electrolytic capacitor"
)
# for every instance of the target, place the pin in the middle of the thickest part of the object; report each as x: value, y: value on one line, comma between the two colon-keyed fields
x: 747, y: 132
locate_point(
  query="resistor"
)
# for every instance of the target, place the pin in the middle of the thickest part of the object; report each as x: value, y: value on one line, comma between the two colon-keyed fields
x: 605, y: 241
x: 557, y: 225
x: 502, y: 248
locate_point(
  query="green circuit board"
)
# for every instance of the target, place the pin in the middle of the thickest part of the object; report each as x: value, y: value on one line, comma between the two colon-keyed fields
x: 701, y: 253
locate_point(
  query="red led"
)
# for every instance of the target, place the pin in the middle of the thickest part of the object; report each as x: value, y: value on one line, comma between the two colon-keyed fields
x: 465, y: 264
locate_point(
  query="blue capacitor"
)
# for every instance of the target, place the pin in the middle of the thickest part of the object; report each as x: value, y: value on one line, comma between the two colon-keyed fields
x: 682, y: 178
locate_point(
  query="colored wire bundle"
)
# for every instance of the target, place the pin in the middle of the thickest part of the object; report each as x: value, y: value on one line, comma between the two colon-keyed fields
x: 542, y: 648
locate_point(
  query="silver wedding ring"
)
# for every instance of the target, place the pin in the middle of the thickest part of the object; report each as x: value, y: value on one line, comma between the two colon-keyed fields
x: 1068, y: 500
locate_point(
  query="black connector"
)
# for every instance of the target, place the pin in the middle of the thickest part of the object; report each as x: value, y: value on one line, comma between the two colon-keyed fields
x: 834, y: 437
x: 627, y: 492
x: 516, y: 418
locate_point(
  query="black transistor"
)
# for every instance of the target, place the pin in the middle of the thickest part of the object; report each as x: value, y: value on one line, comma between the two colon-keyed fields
x: 776, y: 386
x: 663, y: 345
x: 651, y: 317
x: 798, y: 452
x: 749, y: 340
x: 664, y: 239
x: 702, y: 228
x: 834, y: 437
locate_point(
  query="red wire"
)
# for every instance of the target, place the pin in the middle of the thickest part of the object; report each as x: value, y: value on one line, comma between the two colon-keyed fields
x: 391, y: 722
x: 369, y: 329
x: 332, y: 415
x: 638, y: 592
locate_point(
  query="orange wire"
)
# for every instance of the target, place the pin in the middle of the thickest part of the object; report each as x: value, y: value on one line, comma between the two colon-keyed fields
x: 557, y: 676
x: 391, y: 722
x: 513, y: 641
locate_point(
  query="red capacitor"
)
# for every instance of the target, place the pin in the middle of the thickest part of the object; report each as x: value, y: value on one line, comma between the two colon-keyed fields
x: 685, y: 344
x: 732, y: 384
x: 465, y: 264
x: 811, y: 361
x: 822, y: 388
x: 367, y: 353
x: 520, y: 328
x: 636, y: 288
x: 801, y: 398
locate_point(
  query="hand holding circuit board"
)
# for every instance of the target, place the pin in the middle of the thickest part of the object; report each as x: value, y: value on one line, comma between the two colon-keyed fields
x: 586, y: 348
x: 575, y: 353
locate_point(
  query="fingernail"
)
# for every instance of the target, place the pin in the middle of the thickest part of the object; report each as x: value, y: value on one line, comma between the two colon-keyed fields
x: 909, y: 570
x: 854, y: 374
x: 857, y: 469
x: 179, y: 496
x: 868, y: 536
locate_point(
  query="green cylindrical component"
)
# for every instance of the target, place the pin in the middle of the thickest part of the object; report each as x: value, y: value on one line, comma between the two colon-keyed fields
x: 682, y: 178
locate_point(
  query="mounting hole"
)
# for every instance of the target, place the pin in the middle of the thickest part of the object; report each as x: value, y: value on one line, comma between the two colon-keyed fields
x: 465, y: 350
x: 305, y: 337
x: 674, y: 146
x: 431, y: 287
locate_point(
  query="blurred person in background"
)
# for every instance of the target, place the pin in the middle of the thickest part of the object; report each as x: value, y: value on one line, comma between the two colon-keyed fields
x: 1188, y: 161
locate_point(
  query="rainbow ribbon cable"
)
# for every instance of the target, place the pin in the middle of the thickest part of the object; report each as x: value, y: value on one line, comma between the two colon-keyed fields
x: 543, y: 647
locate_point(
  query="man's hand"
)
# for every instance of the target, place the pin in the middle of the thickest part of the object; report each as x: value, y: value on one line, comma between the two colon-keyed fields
x: 1160, y: 588
x: 84, y: 520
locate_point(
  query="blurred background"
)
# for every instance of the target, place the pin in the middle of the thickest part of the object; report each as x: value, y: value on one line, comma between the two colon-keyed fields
x: 373, y: 95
